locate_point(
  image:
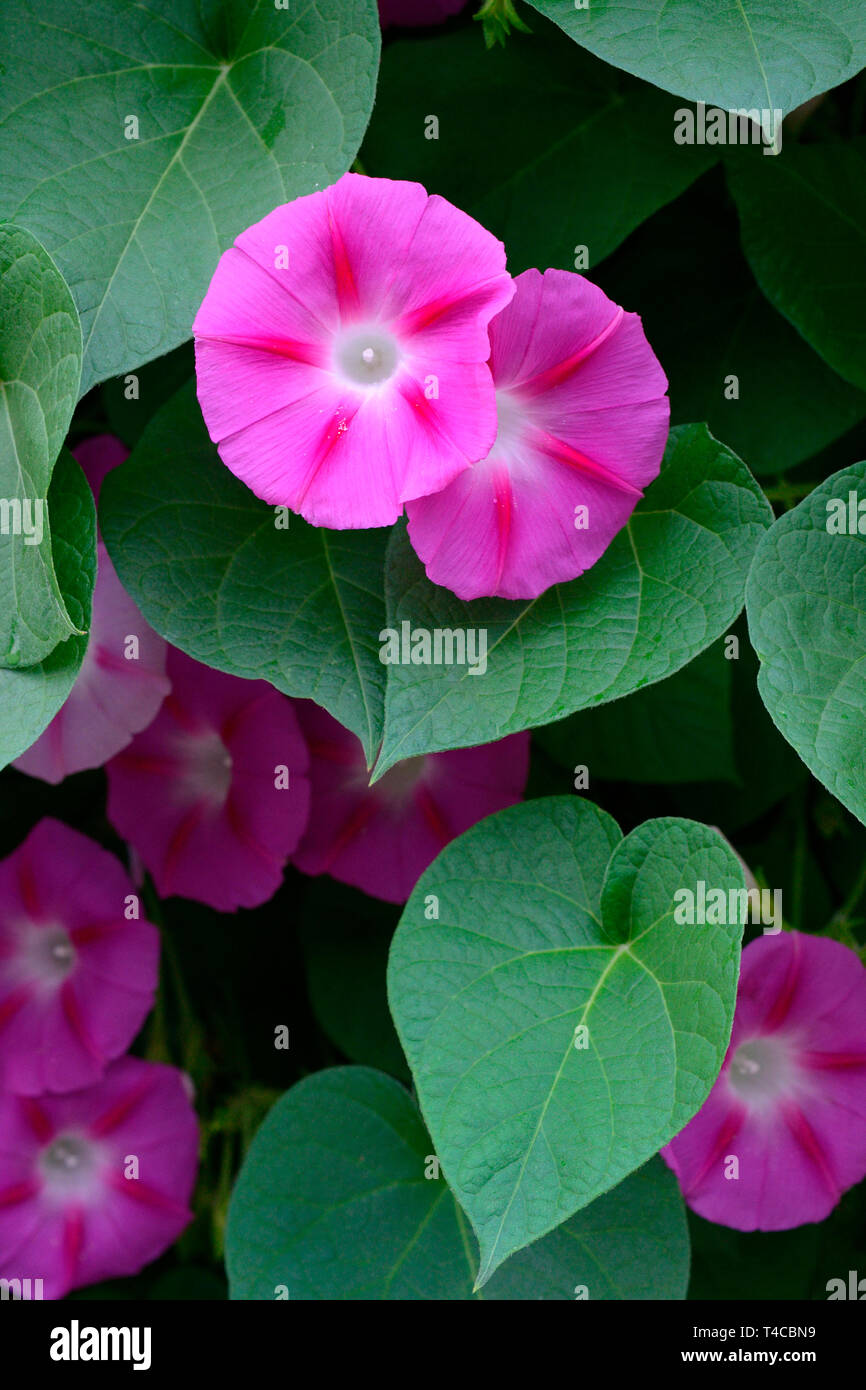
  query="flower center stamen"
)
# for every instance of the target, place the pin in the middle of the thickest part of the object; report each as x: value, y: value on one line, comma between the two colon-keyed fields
x: 51, y: 954
x: 760, y: 1070
x: 367, y: 357
x: 69, y: 1164
x: 208, y: 771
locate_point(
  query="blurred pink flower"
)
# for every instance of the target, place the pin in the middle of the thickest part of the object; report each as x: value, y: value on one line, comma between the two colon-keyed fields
x: 214, y: 794
x: 96, y: 1184
x: 382, y: 838
x: 341, y: 350
x: 77, y: 975
x: 790, y: 1102
x: 417, y: 12
x: 97, y: 456
x: 583, y: 421
x: 117, y: 692
x: 122, y: 681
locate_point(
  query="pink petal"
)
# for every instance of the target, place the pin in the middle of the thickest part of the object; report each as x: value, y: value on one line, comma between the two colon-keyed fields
x: 198, y: 794
x: 115, y: 694
x: 291, y: 419
x: 97, y: 456
x: 417, y: 12
x: 115, y: 1224
x: 803, y: 1144
x: 382, y: 838
x: 61, y: 1025
x: 583, y: 422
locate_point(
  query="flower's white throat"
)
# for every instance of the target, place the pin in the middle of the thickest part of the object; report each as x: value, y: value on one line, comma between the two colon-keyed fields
x: 70, y: 1166
x: 366, y: 356
x: 760, y: 1070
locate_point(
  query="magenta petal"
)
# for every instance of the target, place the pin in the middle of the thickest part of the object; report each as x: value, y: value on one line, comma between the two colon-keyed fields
x: 97, y: 456
x: 790, y: 1103
x: 118, y: 691
x: 582, y: 426
x: 78, y: 974
x: 417, y: 12
x: 382, y: 838
x: 201, y: 794
x: 96, y: 1184
x: 341, y: 350
x: 553, y: 318
x: 122, y: 680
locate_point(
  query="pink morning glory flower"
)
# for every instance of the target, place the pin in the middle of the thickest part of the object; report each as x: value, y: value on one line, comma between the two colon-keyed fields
x: 117, y: 692
x: 782, y: 1134
x: 96, y: 1184
x: 583, y: 421
x: 341, y: 350
x: 78, y: 968
x: 97, y: 456
x: 122, y: 681
x: 214, y: 794
x: 417, y: 12
x: 382, y: 838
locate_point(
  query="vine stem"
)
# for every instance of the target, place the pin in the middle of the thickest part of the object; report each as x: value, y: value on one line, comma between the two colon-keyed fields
x: 173, y: 973
x: 846, y: 910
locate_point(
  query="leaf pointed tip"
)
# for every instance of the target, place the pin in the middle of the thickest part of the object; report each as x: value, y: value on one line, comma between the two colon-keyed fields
x: 487, y: 1267
x: 378, y: 766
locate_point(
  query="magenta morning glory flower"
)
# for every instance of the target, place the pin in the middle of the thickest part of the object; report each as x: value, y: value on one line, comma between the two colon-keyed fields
x: 96, y: 1184
x: 382, y: 838
x: 583, y: 421
x: 97, y: 456
x: 78, y: 970
x: 341, y: 350
x: 214, y: 794
x: 117, y: 692
x: 122, y: 681
x: 782, y: 1134
x: 416, y: 12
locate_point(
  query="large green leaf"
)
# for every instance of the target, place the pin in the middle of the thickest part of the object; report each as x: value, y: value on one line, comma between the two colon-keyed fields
x: 764, y: 54
x: 667, y: 586
x: 333, y: 1203
x: 40, y: 367
x: 730, y: 358
x: 803, y: 217
x: 549, y: 922
x: 30, y: 697
x: 545, y: 145
x: 806, y: 604
x: 240, y: 106
x: 211, y: 571
x: 677, y: 731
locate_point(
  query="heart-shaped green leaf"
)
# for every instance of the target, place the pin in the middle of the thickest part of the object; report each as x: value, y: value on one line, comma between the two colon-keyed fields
x: 190, y: 122
x: 40, y: 367
x: 30, y: 697
x: 214, y: 571
x: 668, y: 585
x: 560, y: 1024
x: 806, y: 604
x: 764, y: 54
x: 803, y: 219
x: 339, y: 1198
x: 596, y: 158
